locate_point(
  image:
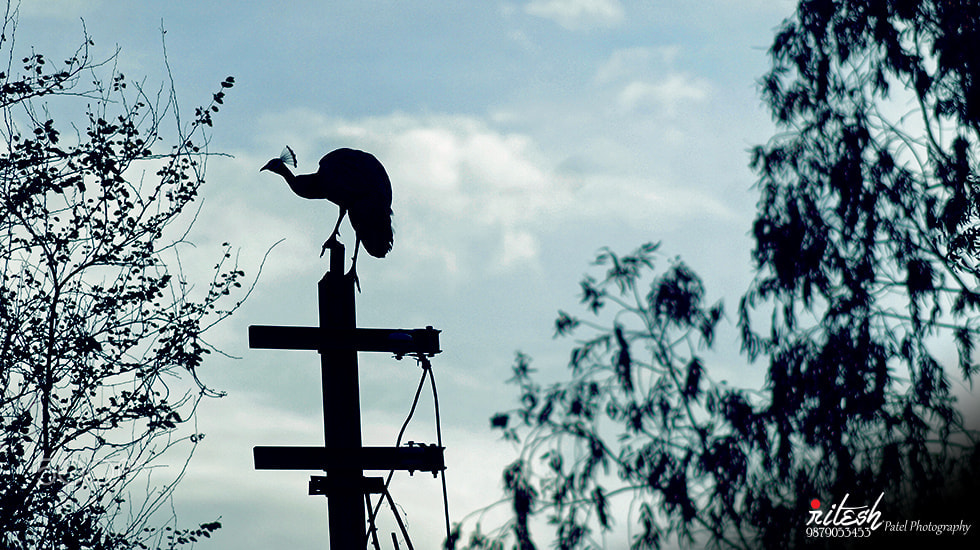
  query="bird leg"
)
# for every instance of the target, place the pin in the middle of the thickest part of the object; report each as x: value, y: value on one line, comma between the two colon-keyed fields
x: 334, y: 233
x: 353, y: 262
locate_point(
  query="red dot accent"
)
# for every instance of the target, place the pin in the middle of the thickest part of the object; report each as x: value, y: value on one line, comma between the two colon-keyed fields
x: 814, y: 504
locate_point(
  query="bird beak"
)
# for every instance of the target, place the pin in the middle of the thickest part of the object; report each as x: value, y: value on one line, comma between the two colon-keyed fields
x: 268, y: 166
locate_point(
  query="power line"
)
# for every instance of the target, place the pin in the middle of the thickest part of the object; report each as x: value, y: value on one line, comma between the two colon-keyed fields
x: 372, y: 529
x: 398, y: 519
x: 427, y: 368
x: 372, y: 516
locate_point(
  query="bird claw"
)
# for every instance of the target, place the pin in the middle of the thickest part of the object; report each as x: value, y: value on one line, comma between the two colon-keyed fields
x: 353, y: 274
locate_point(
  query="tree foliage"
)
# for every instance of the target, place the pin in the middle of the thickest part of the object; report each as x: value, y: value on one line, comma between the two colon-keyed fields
x: 864, y: 310
x: 100, y: 332
x: 867, y: 228
x: 639, y: 417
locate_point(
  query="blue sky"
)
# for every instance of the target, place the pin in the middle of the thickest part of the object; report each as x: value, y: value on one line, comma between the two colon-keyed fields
x: 520, y: 138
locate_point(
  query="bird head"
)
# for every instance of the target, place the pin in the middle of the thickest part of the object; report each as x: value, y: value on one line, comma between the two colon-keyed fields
x: 281, y: 163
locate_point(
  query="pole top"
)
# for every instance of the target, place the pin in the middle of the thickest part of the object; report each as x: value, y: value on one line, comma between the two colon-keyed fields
x: 336, y: 256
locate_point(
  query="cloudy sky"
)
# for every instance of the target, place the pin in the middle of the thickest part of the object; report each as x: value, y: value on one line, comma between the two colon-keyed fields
x: 520, y: 138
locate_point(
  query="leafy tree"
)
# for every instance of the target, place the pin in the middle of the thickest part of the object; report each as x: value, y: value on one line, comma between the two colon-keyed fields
x: 863, y: 309
x: 98, y: 325
x: 866, y: 242
x: 644, y: 380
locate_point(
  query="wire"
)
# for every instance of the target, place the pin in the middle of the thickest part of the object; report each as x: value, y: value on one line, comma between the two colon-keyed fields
x: 373, y: 529
x: 427, y: 372
x: 427, y: 368
x: 398, y: 442
x: 411, y: 413
x: 398, y: 518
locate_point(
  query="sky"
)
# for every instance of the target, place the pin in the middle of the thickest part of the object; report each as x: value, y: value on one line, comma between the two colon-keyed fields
x: 520, y: 137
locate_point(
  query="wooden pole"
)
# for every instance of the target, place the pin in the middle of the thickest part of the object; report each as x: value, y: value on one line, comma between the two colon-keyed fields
x: 341, y: 407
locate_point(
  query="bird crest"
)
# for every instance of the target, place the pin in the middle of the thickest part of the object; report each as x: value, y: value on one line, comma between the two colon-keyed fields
x: 288, y: 157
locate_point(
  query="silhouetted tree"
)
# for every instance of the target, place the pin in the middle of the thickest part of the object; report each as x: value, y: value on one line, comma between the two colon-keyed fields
x: 866, y: 243
x: 98, y: 325
x: 641, y: 420
x: 864, y: 310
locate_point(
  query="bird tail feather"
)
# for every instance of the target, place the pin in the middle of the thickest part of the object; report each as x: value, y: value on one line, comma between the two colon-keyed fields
x: 373, y: 227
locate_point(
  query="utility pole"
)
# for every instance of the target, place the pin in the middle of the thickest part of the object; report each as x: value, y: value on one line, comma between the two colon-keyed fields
x: 342, y: 457
x: 341, y: 406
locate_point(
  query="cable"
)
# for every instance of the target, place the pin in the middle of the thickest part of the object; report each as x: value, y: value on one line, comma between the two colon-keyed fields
x: 426, y: 365
x: 372, y: 528
x: 411, y: 413
x: 398, y: 442
x: 427, y: 368
x: 398, y: 519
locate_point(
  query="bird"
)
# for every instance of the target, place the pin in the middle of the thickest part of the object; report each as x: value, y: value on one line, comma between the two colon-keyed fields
x: 357, y: 183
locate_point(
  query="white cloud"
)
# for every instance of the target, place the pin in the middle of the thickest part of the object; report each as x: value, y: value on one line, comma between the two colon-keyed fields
x: 457, y: 182
x: 627, y: 63
x: 666, y: 94
x: 473, y: 199
x: 578, y: 14
x: 644, y: 78
x: 518, y: 247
